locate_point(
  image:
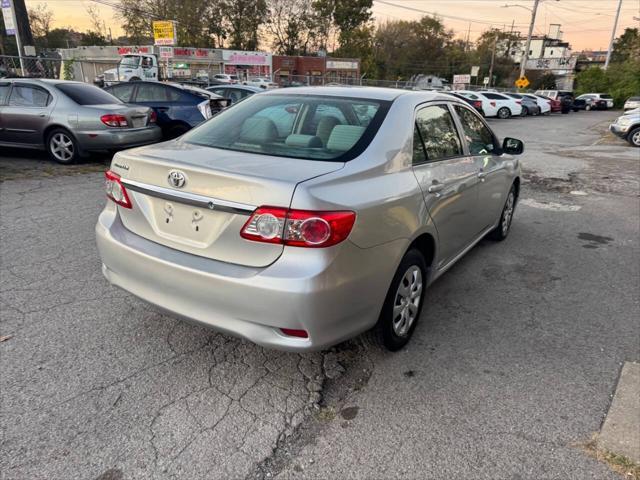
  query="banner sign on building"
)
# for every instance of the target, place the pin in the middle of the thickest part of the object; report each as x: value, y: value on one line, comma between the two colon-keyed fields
x: 164, y: 32
x: 341, y: 65
x: 7, y: 14
x: 462, y: 79
x: 562, y: 63
x: 237, y: 57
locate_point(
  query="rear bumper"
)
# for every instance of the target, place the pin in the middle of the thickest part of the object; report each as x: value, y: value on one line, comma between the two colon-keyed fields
x: 333, y: 293
x: 117, y: 139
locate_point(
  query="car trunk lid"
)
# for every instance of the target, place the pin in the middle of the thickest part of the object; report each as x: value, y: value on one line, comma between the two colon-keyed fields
x: 197, y: 199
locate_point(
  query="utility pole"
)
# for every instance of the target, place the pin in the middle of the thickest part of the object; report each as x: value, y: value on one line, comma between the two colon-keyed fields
x: 493, y: 57
x: 467, y: 46
x: 525, y: 57
x: 613, y: 35
x: 17, y: 34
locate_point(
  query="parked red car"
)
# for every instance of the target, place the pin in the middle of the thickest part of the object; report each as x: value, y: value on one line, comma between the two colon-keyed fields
x: 556, y: 105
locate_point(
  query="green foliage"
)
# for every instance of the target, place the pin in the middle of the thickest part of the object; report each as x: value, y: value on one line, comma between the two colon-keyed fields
x: 546, y: 81
x: 626, y: 46
x: 621, y: 80
x: 68, y: 71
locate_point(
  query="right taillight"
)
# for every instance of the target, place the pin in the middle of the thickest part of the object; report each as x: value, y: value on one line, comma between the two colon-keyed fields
x: 298, y: 228
x: 115, y: 190
x: 477, y: 104
x: 114, y: 120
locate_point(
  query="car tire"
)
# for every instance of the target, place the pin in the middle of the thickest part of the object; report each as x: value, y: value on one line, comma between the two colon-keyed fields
x: 634, y: 137
x: 506, y: 217
x: 134, y: 79
x: 62, y: 146
x: 587, y: 108
x: 403, y: 303
x: 525, y: 112
x: 175, y: 131
x: 504, y: 113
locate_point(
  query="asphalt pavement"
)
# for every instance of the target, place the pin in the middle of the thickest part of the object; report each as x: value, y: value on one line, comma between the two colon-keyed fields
x: 509, y: 373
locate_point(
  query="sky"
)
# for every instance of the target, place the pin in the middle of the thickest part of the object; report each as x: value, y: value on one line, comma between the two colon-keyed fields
x: 586, y: 24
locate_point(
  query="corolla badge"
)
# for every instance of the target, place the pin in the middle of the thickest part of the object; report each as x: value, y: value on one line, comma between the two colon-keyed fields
x: 177, y: 179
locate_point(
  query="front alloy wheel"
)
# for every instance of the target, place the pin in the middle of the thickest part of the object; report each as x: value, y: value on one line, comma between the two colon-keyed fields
x: 634, y: 137
x: 504, y: 112
x: 62, y: 147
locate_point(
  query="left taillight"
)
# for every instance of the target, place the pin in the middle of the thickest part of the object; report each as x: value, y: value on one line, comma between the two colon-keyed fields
x: 115, y: 190
x: 153, y: 117
x: 298, y: 228
x: 114, y: 120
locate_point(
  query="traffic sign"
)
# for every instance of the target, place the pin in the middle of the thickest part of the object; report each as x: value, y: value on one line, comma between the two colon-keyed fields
x: 522, y: 82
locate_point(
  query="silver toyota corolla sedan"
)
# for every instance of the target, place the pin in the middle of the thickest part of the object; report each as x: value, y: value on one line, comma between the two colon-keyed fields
x: 68, y: 119
x: 302, y: 217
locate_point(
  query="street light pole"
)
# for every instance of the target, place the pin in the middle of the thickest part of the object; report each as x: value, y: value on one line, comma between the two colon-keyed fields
x: 525, y: 57
x: 613, y: 35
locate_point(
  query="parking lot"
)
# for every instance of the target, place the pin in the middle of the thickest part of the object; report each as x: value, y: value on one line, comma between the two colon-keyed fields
x: 509, y: 373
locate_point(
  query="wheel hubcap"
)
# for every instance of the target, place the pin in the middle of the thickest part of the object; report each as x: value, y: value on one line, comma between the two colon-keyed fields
x: 508, y: 213
x: 61, y: 147
x: 636, y: 138
x: 407, y: 301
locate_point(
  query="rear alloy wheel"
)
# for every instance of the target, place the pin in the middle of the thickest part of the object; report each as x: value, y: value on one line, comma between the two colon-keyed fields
x: 525, y: 111
x: 634, y: 137
x: 504, y: 113
x: 62, y: 147
x: 403, y: 304
x: 502, y: 230
x: 587, y: 108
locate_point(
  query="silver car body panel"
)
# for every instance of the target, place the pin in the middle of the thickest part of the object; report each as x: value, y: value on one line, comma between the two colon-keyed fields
x: 27, y: 127
x: 253, y: 289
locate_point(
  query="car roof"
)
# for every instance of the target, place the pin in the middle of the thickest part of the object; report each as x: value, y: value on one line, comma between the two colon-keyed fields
x: 46, y: 81
x: 237, y: 87
x: 371, y: 93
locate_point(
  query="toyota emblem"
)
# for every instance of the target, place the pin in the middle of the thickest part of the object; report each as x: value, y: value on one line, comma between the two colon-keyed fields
x: 177, y: 179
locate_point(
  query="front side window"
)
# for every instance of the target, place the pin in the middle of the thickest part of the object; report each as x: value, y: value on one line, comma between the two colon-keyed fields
x: 305, y: 127
x: 24, y: 96
x: 4, y: 90
x: 495, y: 96
x: 478, y: 136
x: 149, y: 92
x: 438, y: 132
x: 123, y: 91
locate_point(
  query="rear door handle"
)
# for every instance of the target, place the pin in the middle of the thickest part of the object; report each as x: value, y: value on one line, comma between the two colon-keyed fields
x: 435, y: 187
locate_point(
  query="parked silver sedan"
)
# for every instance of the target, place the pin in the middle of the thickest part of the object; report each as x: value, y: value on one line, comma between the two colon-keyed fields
x: 302, y: 217
x: 69, y: 119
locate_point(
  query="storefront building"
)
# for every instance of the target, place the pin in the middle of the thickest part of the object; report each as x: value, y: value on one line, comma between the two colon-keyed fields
x: 247, y: 64
x: 292, y: 70
x: 343, y: 70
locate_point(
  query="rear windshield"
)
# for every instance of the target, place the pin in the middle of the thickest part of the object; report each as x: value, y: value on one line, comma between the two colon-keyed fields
x: 84, y: 94
x: 309, y: 127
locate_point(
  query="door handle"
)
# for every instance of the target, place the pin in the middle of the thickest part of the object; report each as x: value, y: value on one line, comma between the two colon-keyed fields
x: 435, y: 187
x: 42, y: 115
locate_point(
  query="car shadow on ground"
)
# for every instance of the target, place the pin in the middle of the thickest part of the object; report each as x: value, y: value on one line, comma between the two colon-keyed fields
x: 25, y: 163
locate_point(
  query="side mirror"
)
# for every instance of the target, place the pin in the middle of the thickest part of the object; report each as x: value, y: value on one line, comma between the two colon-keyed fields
x: 512, y: 146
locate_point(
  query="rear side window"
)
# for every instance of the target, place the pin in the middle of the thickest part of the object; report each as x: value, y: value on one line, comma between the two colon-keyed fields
x: 285, y: 125
x: 438, y: 133
x: 25, y: 96
x: 4, y: 91
x: 84, y: 94
x: 606, y: 96
x: 495, y: 96
x: 633, y: 99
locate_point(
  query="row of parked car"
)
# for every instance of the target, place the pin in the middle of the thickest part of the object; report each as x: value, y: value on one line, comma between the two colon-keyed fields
x: 71, y: 119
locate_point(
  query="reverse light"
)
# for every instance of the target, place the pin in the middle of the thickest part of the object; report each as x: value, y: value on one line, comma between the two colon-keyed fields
x: 114, y: 120
x: 298, y: 228
x: 115, y: 190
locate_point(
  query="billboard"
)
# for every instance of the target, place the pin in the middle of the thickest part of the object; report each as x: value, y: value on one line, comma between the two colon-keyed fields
x: 7, y: 14
x: 563, y: 63
x: 164, y: 32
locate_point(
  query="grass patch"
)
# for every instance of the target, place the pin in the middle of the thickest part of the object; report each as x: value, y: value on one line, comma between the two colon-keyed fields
x: 617, y: 463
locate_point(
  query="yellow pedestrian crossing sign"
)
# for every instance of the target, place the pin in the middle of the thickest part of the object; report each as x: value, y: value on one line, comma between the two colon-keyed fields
x: 522, y: 82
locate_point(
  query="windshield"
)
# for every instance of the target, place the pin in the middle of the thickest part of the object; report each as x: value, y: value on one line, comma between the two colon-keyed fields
x: 84, y: 94
x: 308, y: 127
x: 130, y: 61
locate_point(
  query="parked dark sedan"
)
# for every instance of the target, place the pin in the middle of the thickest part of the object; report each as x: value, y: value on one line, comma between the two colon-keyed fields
x: 178, y: 107
x: 69, y: 119
x: 477, y: 104
x: 235, y: 93
x: 529, y: 106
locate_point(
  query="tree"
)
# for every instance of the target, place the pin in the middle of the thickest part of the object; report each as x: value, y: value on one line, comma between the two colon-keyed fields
x: 293, y: 24
x: 97, y: 35
x: 542, y: 81
x: 40, y: 18
x: 347, y: 16
x: 621, y: 80
x: 626, y: 46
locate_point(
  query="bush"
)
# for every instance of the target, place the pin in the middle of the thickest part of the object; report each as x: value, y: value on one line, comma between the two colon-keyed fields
x: 621, y: 80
